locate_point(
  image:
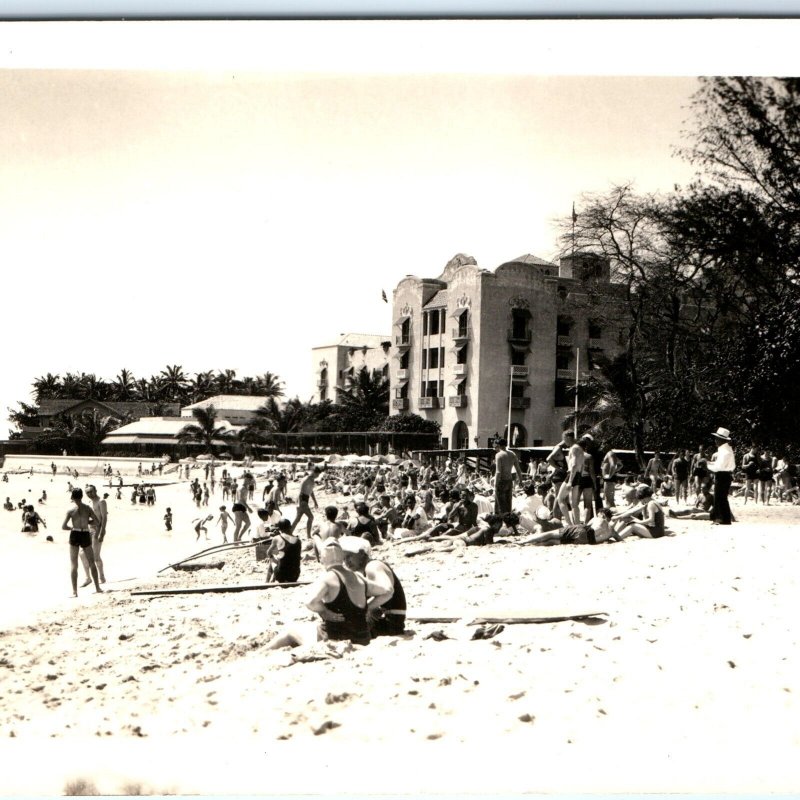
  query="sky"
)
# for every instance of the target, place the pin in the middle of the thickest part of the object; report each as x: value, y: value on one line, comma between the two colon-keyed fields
x: 235, y: 206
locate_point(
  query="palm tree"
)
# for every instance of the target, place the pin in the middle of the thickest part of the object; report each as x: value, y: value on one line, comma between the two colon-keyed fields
x: 269, y: 385
x: 144, y: 389
x: 174, y: 383
x: 225, y: 381
x: 367, y: 396
x: 82, y: 434
x: 124, y: 386
x: 205, y: 430
x: 201, y: 386
x: 92, y: 388
x: 70, y: 386
x: 286, y: 418
x: 46, y: 387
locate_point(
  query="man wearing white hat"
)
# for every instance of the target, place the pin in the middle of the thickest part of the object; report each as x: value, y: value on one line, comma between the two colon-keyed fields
x: 722, y: 465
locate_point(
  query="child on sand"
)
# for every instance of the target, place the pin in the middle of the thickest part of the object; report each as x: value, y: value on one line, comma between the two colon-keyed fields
x: 200, y: 525
x: 77, y: 522
x: 168, y: 519
x: 223, y: 520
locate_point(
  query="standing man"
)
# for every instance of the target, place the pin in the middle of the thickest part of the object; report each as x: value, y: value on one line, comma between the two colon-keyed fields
x: 722, y: 465
x: 570, y: 491
x: 505, y: 464
x: 98, y: 532
x: 306, y: 494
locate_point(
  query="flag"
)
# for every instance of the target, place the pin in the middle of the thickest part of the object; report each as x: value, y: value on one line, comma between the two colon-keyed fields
x: 383, y: 295
x: 574, y: 215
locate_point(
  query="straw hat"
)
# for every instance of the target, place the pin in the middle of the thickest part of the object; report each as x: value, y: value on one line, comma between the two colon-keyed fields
x: 722, y: 433
x: 354, y: 544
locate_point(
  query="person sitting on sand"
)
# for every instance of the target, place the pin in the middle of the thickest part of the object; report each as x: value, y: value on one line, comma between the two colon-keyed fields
x: 702, y: 507
x: 284, y: 555
x: 386, y: 610
x: 330, y: 529
x: 652, y: 523
x: 77, y: 522
x: 415, y: 520
x: 223, y: 520
x: 340, y: 599
x: 364, y: 525
x: 269, y: 517
x: 596, y: 531
x: 200, y: 525
x: 8, y: 505
x: 43, y: 498
x: 386, y: 515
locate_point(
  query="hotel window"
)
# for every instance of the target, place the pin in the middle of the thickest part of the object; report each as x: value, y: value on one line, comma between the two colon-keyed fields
x: 519, y: 322
x: 518, y: 389
x: 563, y: 326
x: 433, y: 386
x: 463, y: 322
x: 433, y: 324
x: 595, y: 331
x: 441, y: 357
x: 562, y: 397
x: 425, y: 323
x: 433, y: 358
x: 562, y: 360
x: 424, y: 359
x: 461, y: 356
x: 404, y: 360
x: 441, y: 388
x: 518, y: 358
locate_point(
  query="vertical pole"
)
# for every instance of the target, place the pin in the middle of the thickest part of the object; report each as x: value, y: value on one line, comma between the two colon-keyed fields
x: 510, y: 387
x: 577, y: 378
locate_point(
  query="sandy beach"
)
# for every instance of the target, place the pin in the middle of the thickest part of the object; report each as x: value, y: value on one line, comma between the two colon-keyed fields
x: 689, y: 683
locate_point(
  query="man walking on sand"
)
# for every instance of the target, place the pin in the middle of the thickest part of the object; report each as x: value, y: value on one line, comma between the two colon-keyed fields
x: 77, y: 522
x: 98, y: 531
x: 306, y: 494
x: 506, y: 464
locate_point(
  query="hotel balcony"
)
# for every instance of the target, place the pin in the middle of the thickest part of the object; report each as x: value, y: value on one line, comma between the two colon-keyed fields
x: 461, y: 334
x: 459, y: 369
x: 400, y: 403
x: 520, y: 402
x: 403, y: 374
x: 403, y: 340
x: 322, y: 384
x: 516, y: 335
x: 565, y: 374
x: 519, y: 371
x: 458, y: 401
x: 595, y: 344
x: 564, y: 341
x: 430, y: 402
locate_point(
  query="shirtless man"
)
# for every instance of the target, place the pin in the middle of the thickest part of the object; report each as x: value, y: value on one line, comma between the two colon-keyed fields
x: 329, y: 529
x: 570, y: 491
x: 77, y: 522
x: 557, y: 462
x: 597, y: 531
x: 223, y: 520
x: 506, y: 467
x: 306, y: 493
x: 98, y: 531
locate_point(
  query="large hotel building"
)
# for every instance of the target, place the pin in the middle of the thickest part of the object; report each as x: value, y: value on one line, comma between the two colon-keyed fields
x: 472, y: 342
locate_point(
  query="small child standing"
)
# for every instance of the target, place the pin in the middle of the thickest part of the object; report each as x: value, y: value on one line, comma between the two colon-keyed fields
x: 224, y: 517
x: 168, y: 519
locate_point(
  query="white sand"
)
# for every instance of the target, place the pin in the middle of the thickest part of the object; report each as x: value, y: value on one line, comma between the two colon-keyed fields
x: 690, y: 685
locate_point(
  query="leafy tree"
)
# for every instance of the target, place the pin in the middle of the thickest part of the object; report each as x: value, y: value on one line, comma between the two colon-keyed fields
x: 124, y: 386
x: 408, y: 423
x: 269, y: 385
x: 366, y: 402
x: 225, y: 381
x: 80, y: 434
x: 25, y: 415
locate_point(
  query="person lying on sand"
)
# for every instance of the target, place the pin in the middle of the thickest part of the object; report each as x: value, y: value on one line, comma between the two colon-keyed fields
x: 77, y: 522
x: 596, y: 531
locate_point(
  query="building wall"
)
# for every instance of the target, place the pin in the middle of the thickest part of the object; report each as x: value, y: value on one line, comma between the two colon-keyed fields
x: 489, y: 298
x: 342, y: 364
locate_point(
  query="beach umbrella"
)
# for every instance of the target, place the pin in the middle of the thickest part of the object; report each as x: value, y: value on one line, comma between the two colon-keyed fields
x: 205, y: 457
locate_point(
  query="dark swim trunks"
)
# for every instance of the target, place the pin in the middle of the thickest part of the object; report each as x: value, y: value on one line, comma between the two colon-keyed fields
x: 576, y: 480
x: 577, y: 534
x: 558, y: 476
x: 238, y: 507
x: 304, y: 498
x: 587, y: 482
x: 80, y: 539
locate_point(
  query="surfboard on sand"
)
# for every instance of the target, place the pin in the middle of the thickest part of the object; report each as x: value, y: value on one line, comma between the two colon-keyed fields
x: 516, y: 617
x: 234, y: 587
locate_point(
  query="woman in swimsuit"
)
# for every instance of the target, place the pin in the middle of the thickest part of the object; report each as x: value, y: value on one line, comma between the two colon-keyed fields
x: 652, y: 524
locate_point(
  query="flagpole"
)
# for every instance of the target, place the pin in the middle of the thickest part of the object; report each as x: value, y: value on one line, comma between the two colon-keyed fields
x: 574, y: 220
x: 577, y: 378
x: 510, y: 388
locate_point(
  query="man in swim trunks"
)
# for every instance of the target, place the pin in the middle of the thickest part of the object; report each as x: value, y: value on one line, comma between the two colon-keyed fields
x: 241, y: 514
x: 570, y: 491
x: 597, y: 531
x: 100, y: 509
x: 506, y: 468
x: 77, y: 522
x: 306, y: 493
